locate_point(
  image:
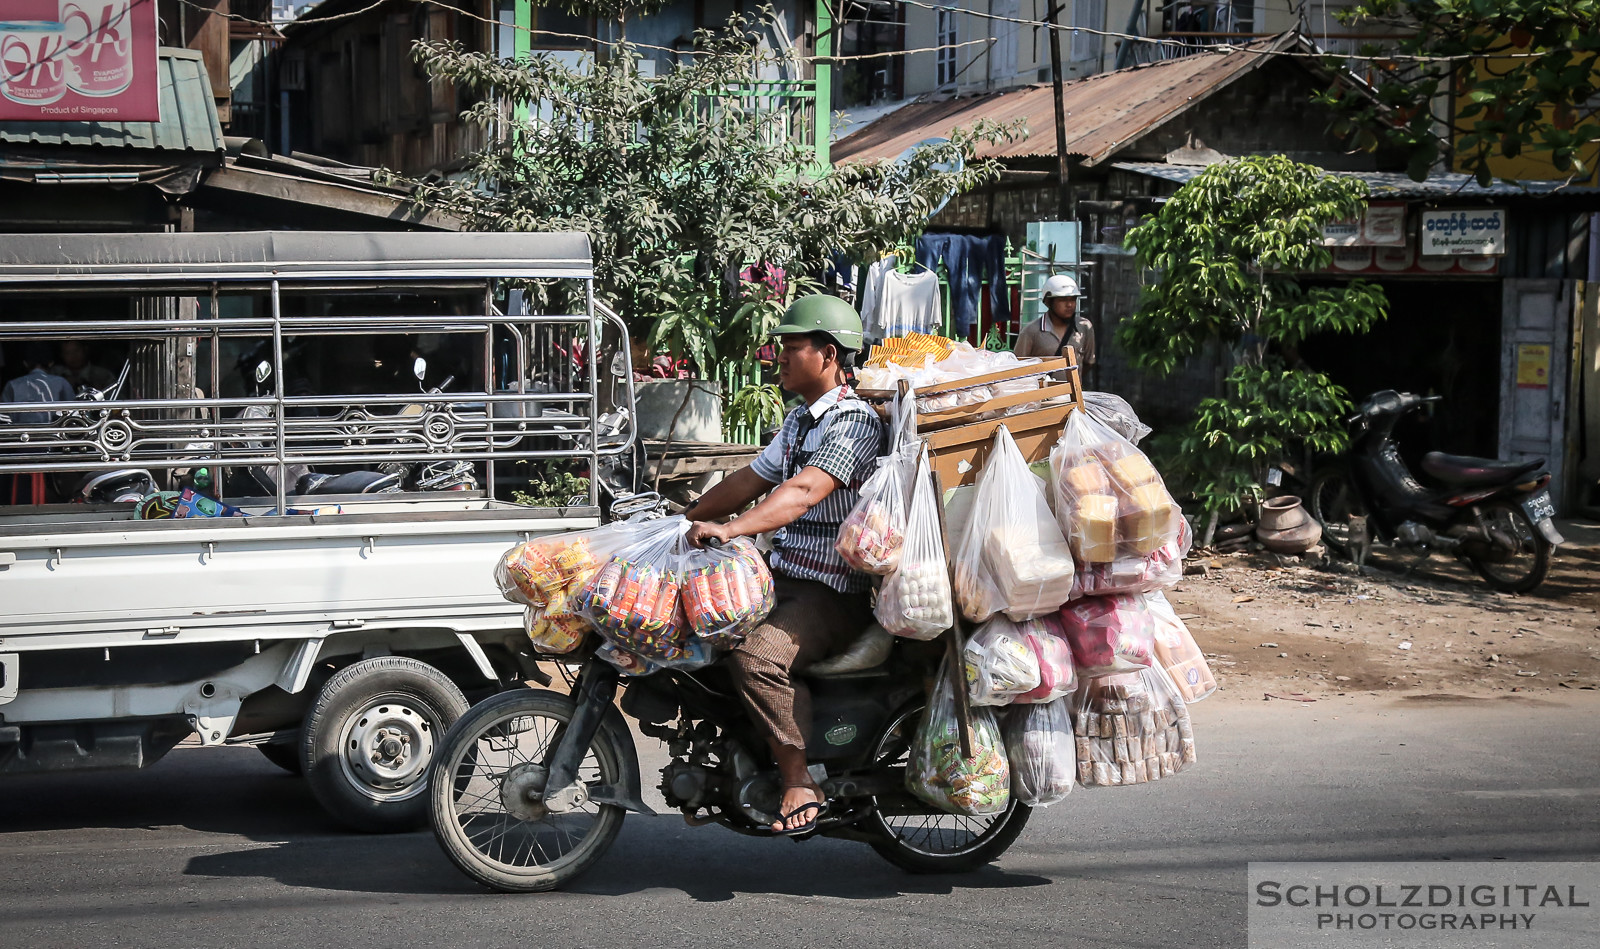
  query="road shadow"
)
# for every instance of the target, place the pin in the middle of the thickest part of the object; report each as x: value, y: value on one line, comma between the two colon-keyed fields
x: 651, y: 854
x: 212, y: 790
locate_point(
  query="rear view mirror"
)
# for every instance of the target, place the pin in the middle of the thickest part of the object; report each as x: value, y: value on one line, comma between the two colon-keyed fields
x: 420, y: 369
x: 263, y: 371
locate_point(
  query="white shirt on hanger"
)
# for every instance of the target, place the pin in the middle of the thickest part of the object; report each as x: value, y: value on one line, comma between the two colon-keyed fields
x: 908, y: 303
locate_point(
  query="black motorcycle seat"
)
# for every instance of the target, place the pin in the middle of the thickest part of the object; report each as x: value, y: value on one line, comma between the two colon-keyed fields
x: 351, y: 482
x: 1469, y: 472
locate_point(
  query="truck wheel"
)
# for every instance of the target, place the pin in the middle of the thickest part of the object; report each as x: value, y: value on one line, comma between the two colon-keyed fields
x: 288, y: 757
x: 369, y: 737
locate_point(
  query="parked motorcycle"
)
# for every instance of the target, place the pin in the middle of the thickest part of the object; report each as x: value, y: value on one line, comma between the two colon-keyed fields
x: 1496, y: 515
x: 528, y: 789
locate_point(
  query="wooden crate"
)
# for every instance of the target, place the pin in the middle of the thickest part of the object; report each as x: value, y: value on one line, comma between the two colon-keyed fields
x: 957, y: 453
x: 956, y: 415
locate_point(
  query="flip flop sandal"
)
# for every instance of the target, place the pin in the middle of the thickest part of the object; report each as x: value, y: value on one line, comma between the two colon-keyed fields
x: 808, y: 826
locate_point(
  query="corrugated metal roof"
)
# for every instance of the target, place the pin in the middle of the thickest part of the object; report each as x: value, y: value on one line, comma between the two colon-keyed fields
x: 1392, y: 184
x: 1103, y: 112
x: 188, y: 116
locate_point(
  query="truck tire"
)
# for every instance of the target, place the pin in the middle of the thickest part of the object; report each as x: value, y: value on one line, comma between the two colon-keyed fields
x: 369, y: 737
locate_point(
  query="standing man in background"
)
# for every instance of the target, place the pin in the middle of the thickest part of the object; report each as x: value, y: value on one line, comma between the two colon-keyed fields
x: 1060, y: 326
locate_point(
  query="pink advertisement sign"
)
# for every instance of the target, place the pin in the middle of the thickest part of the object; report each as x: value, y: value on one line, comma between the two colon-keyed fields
x: 78, y: 61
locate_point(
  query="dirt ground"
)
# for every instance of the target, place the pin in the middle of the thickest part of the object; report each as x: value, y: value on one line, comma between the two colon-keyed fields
x: 1277, y: 627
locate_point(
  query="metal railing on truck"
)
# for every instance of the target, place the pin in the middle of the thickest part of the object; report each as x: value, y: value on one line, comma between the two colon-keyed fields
x: 532, y: 390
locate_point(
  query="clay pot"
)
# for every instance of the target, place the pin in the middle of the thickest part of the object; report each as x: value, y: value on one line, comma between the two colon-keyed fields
x: 1282, y: 513
x: 1286, y: 528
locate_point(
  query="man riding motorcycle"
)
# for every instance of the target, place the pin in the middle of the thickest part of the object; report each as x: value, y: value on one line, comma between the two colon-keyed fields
x: 810, y: 475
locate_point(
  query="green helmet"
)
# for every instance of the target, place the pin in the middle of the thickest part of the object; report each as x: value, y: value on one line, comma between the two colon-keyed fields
x: 821, y: 313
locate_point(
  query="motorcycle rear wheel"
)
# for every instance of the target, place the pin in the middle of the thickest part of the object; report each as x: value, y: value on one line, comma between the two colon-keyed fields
x: 920, y: 839
x: 487, y: 766
x: 1519, y: 558
x: 1334, y: 501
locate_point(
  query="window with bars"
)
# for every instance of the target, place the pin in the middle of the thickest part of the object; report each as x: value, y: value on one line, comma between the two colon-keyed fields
x: 945, y: 57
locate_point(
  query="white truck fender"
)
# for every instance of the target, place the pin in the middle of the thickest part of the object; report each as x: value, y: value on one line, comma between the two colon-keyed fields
x: 298, y: 669
x: 475, y: 650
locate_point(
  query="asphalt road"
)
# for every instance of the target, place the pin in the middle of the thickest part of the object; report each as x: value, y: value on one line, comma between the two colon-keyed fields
x: 218, y: 848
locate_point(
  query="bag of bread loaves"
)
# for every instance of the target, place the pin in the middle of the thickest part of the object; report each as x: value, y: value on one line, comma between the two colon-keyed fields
x: 1161, y: 569
x: 1011, y: 556
x: 1041, y: 750
x: 1131, y: 728
x: 939, y: 774
x: 1110, y: 633
x: 915, y: 599
x: 1110, y: 502
x: 1178, y: 653
x: 1000, y: 664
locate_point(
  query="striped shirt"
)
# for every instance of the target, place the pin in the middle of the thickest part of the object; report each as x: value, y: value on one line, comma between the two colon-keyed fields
x: 840, y: 434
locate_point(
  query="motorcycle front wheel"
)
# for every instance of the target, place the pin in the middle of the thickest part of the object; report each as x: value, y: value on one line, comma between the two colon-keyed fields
x: 1516, y: 558
x: 486, y: 787
x: 918, y: 839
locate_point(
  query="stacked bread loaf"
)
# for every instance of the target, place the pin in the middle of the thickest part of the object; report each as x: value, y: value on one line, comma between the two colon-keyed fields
x: 1131, y: 729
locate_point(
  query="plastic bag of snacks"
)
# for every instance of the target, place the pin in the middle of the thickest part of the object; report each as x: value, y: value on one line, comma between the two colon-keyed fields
x: 634, y: 600
x: 1000, y: 665
x: 1161, y: 570
x: 1131, y: 728
x: 871, y: 536
x: 555, y: 634
x: 1058, y: 675
x: 551, y: 567
x: 1178, y: 653
x: 1110, y: 633
x: 726, y: 591
x: 1041, y: 750
x: 915, y: 600
x: 1110, y: 502
x: 937, y: 773
x: 1011, y: 556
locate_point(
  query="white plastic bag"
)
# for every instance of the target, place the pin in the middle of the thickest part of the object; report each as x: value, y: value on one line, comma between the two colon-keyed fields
x: 1000, y: 665
x: 1058, y: 674
x: 1011, y: 556
x: 1131, y: 728
x: 1110, y: 502
x: 1041, y: 751
x: 1110, y: 634
x: 1160, y: 570
x: 1178, y: 653
x: 935, y: 768
x: 914, y: 601
x: 871, y: 536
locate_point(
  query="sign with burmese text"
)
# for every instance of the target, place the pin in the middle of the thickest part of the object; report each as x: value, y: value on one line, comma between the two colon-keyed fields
x: 1445, y: 905
x: 78, y: 61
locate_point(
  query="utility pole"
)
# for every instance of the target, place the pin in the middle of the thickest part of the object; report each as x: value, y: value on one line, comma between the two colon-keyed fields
x: 1064, y: 206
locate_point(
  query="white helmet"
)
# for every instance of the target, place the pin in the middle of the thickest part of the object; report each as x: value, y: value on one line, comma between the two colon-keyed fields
x: 1061, y: 285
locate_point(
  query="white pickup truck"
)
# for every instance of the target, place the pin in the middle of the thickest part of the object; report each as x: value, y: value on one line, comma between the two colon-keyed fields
x: 339, y: 632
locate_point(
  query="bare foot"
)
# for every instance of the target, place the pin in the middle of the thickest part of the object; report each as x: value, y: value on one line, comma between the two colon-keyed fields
x: 794, y: 797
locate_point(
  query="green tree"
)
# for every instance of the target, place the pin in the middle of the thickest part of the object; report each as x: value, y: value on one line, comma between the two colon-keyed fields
x: 680, y: 178
x: 1227, y: 251
x: 1481, y: 78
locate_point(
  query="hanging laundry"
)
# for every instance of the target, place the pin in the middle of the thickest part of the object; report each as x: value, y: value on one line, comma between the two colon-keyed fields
x: 871, y: 293
x: 908, y: 303
x: 971, y: 261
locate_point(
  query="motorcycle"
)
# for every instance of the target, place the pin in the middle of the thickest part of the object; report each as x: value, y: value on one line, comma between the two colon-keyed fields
x: 528, y: 789
x: 1496, y: 515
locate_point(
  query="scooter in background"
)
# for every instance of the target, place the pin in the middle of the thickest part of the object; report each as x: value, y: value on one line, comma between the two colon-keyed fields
x: 1496, y: 515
